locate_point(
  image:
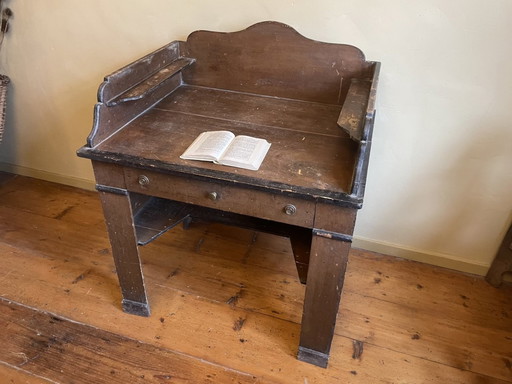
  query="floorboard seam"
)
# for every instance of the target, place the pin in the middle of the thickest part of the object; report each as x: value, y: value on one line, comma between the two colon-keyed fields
x: 10, y: 366
x: 8, y: 301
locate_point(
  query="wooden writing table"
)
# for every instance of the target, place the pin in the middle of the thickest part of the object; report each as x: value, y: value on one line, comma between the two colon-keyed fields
x: 314, y: 102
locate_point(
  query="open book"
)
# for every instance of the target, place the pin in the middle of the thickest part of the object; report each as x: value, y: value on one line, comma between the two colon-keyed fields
x: 222, y: 147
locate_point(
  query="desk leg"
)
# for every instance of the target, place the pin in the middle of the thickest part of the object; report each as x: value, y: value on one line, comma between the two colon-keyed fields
x: 119, y: 218
x: 327, y: 265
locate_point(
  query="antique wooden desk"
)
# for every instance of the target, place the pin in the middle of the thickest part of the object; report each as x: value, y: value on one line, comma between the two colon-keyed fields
x: 313, y: 101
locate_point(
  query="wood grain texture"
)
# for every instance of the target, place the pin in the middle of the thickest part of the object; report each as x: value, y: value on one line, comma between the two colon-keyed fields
x: 273, y: 59
x: 353, y: 114
x: 14, y: 375
x: 55, y: 348
x: 118, y: 213
x: 326, y: 275
x: 255, y: 109
x: 230, y: 197
x: 108, y: 120
x: 416, y: 323
x: 121, y: 80
x: 152, y: 83
x: 298, y: 160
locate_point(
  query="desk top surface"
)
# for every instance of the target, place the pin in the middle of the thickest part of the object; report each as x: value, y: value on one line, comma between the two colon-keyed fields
x: 309, y: 155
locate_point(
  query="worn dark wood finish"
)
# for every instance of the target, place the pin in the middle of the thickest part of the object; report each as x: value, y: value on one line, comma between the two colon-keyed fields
x: 152, y: 83
x: 254, y: 109
x: 313, y: 101
x: 273, y: 59
x: 326, y: 275
x: 349, y: 117
x: 119, y: 219
x: 335, y: 219
x: 110, y: 116
x: 230, y: 198
x: 306, y: 163
x: 502, y: 263
x: 332, y: 236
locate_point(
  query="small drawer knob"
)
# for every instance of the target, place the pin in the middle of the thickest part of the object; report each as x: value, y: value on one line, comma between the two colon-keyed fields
x: 213, y: 196
x: 290, y: 209
x: 143, y: 180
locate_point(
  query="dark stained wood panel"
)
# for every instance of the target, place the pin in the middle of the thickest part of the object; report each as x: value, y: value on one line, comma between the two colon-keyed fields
x: 273, y: 59
x: 256, y: 109
x: 150, y: 84
x: 355, y: 107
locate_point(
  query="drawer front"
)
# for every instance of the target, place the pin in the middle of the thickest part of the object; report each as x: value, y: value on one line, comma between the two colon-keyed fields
x: 216, y: 195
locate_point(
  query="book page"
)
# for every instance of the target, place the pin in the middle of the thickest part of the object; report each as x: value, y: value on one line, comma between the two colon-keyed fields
x: 245, y: 152
x: 208, y: 146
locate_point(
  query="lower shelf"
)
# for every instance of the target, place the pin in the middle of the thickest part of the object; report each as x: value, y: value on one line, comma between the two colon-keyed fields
x: 157, y: 216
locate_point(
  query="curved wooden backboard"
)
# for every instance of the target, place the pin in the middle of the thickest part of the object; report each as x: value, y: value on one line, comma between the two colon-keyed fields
x: 273, y: 59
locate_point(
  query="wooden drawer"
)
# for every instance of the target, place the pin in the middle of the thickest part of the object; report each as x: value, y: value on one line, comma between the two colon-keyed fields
x: 217, y: 195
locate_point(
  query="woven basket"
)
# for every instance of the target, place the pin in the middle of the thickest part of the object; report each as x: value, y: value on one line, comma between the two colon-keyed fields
x: 4, y: 82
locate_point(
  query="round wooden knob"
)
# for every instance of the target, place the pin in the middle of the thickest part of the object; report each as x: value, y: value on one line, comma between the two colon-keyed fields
x: 290, y: 209
x: 213, y: 196
x: 143, y: 180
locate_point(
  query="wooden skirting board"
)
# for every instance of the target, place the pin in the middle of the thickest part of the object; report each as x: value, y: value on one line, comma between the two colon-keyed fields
x: 423, y: 256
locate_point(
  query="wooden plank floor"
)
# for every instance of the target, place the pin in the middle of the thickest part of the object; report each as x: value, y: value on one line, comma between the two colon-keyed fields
x: 226, y: 307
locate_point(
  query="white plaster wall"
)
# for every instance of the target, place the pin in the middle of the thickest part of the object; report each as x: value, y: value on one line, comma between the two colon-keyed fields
x: 440, y: 180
